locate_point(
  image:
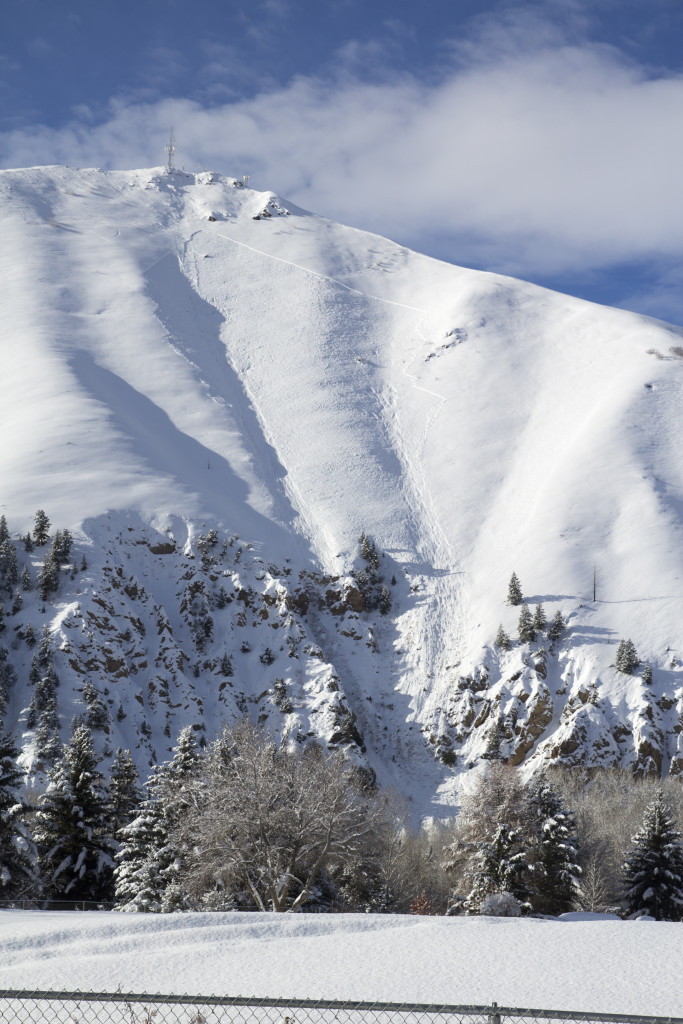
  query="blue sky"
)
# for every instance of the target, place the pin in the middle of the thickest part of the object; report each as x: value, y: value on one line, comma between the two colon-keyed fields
x: 539, y: 139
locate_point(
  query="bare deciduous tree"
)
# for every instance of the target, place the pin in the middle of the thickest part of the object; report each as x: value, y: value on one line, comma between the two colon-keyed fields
x: 265, y: 822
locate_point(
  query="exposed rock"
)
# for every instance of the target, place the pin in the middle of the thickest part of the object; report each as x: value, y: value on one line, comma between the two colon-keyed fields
x: 162, y: 548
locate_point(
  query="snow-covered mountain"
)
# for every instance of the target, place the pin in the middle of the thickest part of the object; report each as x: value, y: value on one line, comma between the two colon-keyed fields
x: 182, y: 354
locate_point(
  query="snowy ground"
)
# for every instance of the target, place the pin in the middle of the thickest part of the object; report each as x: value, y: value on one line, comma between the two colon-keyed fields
x: 583, y: 962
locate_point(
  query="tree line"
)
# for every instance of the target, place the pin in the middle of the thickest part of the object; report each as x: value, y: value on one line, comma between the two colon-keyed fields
x: 248, y: 823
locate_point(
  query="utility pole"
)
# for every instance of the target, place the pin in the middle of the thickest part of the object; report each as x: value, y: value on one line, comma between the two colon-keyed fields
x: 170, y: 149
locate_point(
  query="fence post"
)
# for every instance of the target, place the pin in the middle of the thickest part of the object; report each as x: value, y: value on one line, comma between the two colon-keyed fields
x: 494, y: 1016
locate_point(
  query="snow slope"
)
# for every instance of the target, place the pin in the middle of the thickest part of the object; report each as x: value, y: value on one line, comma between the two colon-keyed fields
x: 598, y: 965
x: 181, y: 352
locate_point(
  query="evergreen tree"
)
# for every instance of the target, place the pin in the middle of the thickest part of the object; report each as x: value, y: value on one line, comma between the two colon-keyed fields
x: 385, y: 601
x: 147, y: 862
x: 492, y: 752
x: 4, y: 532
x: 29, y: 635
x: 97, y: 715
x: 525, y: 626
x: 9, y: 573
x: 145, y: 858
x: 369, y: 552
x: 185, y: 760
x: 47, y: 579
x: 18, y: 856
x: 45, y: 647
x: 25, y: 579
x: 500, y: 867
x: 124, y: 793
x: 647, y: 676
x: 556, y: 627
x: 41, y: 528
x: 76, y: 853
x: 493, y: 840
x: 28, y: 543
x: 555, y: 868
x: 8, y: 678
x: 502, y: 639
x: 652, y: 880
x: 44, y: 696
x: 48, y: 742
x: 627, y: 659
x: 514, y: 590
x: 60, y: 548
x: 540, y: 620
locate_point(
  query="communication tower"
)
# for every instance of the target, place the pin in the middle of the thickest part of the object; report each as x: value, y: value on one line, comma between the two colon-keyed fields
x: 170, y: 149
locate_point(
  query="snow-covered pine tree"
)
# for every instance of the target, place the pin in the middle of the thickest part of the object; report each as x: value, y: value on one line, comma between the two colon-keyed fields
x: 647, y: 675
x: 4, y: 532
x: 502, y: 639
x: 148, y: 862
x: 48, y: 742
x: 125, y: 795
x: 384, y: 601
x: 18, y: 855
x: 540, y: 619
x: 626, y: 659
x: 515, y: 596
x: 8, y: 678
x: 97, y: 715
x: 495, y: 737
x: 555, y: 869
x: 493, y: 839
x: 47, y: 580
x: 28, y: 635
x: 652, y: 881
x: 76, y: 853
x: 145, y: 857
x: 43, y: 696
x: 41, y: 528
x: 60, y: 548
x: 9, y: 574
x: 44, y: 655
x: 556, y: 627
x: 525, y: 626
x: 369, y: 552
x: 186, y: 757
x: 500, y: 867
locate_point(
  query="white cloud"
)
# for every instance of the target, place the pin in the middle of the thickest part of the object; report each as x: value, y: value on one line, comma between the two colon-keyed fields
x: 529, y: 154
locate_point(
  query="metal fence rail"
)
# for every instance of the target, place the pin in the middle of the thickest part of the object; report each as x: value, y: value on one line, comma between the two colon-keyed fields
x: 21, y: 1007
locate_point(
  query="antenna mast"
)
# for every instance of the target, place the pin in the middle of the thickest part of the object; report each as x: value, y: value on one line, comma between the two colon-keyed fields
x: 170, y: 149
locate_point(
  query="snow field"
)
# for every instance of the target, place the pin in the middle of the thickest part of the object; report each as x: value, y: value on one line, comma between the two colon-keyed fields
x: 578, y: 963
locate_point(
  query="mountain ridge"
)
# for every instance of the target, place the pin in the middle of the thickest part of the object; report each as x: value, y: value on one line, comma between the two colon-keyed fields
x: 205, y: 354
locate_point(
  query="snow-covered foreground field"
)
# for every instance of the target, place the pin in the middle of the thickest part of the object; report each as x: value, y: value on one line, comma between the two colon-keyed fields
x: 580, y: 963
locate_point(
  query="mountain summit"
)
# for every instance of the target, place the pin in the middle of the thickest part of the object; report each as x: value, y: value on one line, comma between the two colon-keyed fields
x: 300, y: 464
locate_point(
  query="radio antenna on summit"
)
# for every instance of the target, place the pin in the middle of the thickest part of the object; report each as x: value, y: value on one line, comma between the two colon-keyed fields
x: 170, y: 149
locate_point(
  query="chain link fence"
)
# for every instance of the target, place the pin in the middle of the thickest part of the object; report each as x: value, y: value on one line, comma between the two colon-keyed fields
x: 21, y: 1007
